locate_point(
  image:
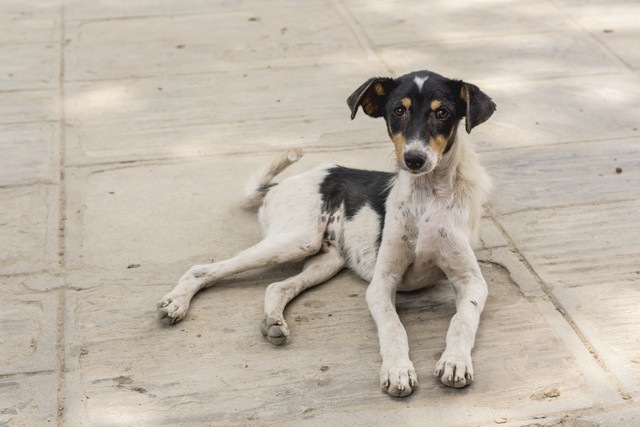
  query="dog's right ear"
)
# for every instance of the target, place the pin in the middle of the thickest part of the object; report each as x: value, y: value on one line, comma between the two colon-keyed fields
x: 372, y: 96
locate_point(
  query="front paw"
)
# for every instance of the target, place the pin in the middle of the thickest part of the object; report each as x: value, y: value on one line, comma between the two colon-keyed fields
x: 454, y: 370
x: 172, y: 309
x: 399, y: 379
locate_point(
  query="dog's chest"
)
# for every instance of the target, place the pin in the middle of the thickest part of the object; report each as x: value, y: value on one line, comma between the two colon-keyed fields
x: 423, y: 223
x: 423, y: 227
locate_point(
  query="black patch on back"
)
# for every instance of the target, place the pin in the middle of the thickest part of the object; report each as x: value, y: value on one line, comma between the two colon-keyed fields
x: 355, y: 188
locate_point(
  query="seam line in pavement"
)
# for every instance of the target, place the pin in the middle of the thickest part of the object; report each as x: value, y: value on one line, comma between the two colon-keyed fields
x: 60, y: 349
x: 560, y: 308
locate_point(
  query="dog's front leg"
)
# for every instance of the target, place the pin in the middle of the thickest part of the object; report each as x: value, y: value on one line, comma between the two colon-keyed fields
x: 459, y: 263
x: 397, y: 375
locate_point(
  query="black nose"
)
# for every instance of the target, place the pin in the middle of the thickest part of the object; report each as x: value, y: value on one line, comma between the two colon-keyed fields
x: 414, y: 159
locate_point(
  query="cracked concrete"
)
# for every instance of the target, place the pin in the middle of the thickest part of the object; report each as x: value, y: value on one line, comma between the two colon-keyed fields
x: 128, y: 129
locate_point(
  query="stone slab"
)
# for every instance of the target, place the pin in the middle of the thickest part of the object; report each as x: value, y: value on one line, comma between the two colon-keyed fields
x: 28, y: 229
x: 28, y: 106
x: 608, y: 316
x: 265, y: 36
x: 629, y: 416
x: 490, y: 234
x: 29, y: 400
x: 29, y: 39
x: 44, y: 281
x: 540, y: 56
x: 587, y: 256
x: 30, y: 153
x: 581, y: 245
x: 226, y: 112
x: 568, y: 174
x: 131, y: 368
x: 28, y: 334
x: 544, y: 112
x: 387, y: 24
x: 29, y: 66
x: 29, y: 22
x: 123, y: 9
x: 613, y: 23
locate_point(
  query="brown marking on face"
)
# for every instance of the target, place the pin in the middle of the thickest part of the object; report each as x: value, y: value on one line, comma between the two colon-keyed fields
x: 435, y: 104
x: 438, y: 144
x: 406, y: 102
x: 379, y: 89
x: 399, y: 141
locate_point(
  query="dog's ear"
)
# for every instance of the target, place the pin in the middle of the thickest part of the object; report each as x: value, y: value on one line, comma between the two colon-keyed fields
x: 479, y: 106
x: 372, y: 96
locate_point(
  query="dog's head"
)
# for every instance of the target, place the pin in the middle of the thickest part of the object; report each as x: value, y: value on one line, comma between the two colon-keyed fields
x: 422, y: 111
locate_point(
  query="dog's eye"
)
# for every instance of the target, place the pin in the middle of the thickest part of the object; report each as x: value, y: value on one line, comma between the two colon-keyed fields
x: 442, y: 114
x: 399, y: 111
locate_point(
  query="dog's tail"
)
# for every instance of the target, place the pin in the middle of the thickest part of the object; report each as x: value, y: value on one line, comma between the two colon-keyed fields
x: 260, y: 183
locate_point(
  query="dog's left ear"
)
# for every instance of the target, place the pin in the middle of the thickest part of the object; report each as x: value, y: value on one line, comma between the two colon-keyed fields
x: 479, y: 106
x: 372, y: 95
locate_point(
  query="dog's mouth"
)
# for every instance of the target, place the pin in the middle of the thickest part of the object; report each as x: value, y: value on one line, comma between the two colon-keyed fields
x: 418, y: 172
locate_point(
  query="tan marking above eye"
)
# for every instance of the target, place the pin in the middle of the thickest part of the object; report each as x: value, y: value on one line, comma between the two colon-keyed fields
x: 435, y: 104
x: 406, y: 102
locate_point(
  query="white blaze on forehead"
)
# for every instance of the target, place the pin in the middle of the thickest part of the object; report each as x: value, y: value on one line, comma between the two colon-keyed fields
x: 420, y: 81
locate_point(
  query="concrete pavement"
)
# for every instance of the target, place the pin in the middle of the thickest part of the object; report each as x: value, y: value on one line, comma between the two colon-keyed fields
x: 127, y: 130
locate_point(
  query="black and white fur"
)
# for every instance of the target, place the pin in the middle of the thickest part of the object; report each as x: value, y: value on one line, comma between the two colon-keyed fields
x: 399, y: 231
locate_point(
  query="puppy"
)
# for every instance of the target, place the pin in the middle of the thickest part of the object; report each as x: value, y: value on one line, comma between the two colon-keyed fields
x: 399, y: 231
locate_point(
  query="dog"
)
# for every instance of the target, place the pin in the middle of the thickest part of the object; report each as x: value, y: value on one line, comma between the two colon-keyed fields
x: 399, y: 231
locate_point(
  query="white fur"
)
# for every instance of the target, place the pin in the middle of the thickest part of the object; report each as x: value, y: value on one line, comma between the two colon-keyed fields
x: 361, y: 242
x: 420, y: 82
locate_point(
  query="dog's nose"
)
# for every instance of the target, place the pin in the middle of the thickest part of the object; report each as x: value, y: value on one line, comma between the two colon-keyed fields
x: 414, y: 160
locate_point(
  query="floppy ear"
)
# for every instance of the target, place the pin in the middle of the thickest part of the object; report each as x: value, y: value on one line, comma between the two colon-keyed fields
x: 479, y: 106
x: 372, y: 96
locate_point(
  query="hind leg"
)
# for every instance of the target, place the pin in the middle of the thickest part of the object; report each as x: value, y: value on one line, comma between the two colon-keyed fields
x: 274, y: 249
x: 316, y: 270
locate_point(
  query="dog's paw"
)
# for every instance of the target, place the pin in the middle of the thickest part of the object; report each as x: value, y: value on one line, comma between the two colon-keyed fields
x: 275, y: 330
x: 454, y: 370
x: 399, y: 379
x: 172, y: 309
